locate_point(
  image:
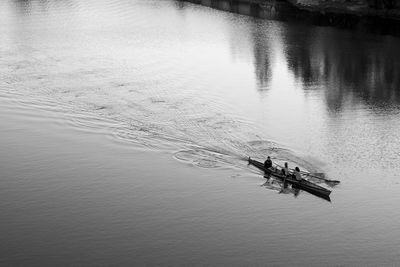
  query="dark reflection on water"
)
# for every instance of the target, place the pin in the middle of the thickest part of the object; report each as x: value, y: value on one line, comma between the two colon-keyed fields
x: 27, y: 7
x: 262, y: 56
x: 347, y: 65
x: 23, y: 6
x: 356, y: 68
x: 350, y: 65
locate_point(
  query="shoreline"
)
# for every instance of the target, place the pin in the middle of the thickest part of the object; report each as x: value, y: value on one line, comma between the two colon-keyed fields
x: 353, y: 16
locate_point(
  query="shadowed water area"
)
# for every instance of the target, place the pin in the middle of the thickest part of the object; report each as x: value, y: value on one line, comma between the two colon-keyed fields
x: 126, y: 126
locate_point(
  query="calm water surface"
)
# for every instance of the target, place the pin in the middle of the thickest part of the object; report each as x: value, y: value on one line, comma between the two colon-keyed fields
x: 125, y: 125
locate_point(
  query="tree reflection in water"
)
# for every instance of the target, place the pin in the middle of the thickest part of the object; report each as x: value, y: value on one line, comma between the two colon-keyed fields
x: 350, y: 66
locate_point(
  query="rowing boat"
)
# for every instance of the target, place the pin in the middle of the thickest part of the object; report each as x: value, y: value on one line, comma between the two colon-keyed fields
x: 302, y: 184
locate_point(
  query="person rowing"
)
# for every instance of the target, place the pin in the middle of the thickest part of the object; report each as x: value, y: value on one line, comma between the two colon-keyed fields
x: 268, y: 163
x: 267, y: 166
x: 285, y: 170
x: 286, y: 173
x: 297, y: 174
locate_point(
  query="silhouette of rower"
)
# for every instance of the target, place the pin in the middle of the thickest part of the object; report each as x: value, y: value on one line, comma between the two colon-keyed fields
x: 267, y: 165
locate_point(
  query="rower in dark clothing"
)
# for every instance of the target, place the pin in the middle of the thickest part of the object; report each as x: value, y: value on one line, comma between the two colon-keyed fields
x: 267, y: 165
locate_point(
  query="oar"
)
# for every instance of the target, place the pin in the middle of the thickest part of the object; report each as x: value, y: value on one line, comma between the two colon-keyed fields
x: 315, y: 175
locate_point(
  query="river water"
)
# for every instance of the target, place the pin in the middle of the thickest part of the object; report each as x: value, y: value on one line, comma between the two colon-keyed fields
x: 126, y: 126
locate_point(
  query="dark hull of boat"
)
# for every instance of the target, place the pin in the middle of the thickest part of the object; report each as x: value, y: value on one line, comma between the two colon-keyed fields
x: 303, y: 184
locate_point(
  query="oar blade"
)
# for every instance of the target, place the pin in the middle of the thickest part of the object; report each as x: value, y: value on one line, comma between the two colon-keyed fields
x: 318, y: 174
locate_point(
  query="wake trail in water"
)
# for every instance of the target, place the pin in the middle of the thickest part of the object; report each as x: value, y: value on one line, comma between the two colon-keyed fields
x: 205, y: 138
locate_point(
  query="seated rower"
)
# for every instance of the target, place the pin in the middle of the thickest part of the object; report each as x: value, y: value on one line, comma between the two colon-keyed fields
x: 296, y: 174
x: 285, y: 170
x: 267, y: 165
x: 286, y: 173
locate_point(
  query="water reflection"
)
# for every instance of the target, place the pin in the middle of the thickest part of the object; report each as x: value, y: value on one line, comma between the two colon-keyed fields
x: 23, y: 6
x: 28, y: 7
x: 348, y: 69
x: 263, y: 54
